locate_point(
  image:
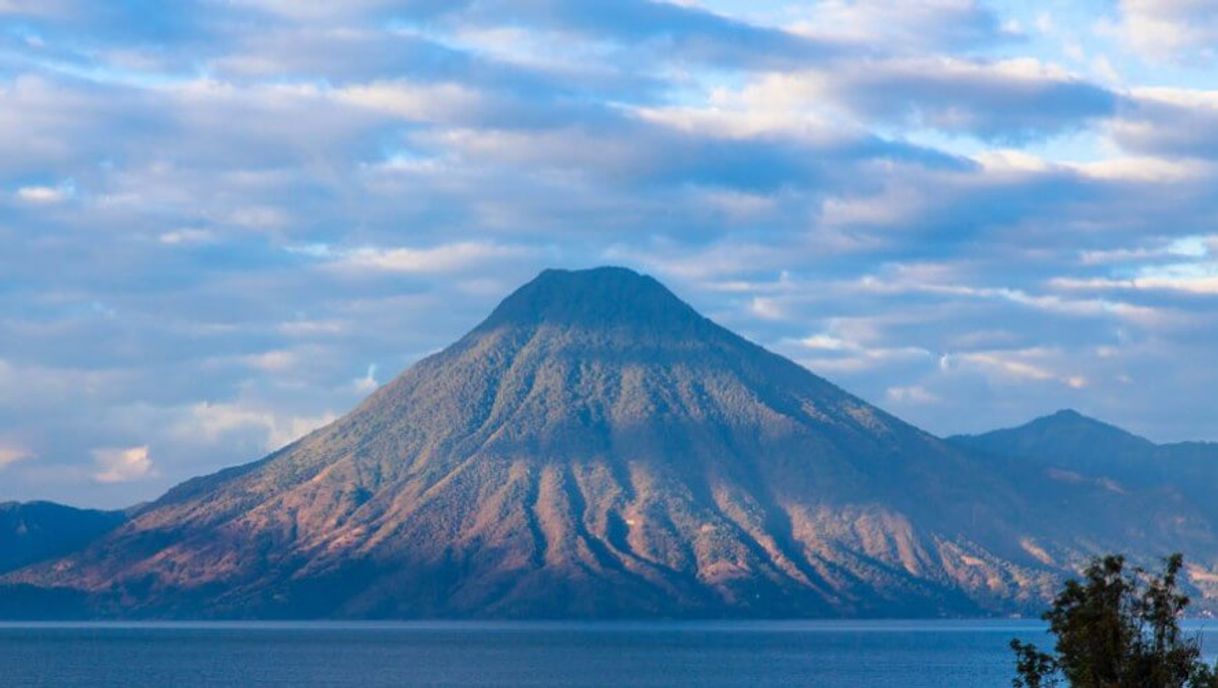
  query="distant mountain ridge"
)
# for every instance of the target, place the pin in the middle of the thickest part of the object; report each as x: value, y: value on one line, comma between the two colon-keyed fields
x: 1183, y: 475
x: 1069, y: 438
x: 33, y: 531
x: 596, y: 448
x: 1071, y: 441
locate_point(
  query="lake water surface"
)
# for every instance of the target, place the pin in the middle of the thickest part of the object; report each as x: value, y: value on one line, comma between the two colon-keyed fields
x: 828, y: 654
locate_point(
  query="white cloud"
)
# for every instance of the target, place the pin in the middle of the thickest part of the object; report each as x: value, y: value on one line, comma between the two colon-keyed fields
x: 1199, y: 276
x: 1193, y: 246
x: 433, y: 260
x: 212, y: 422
x: 889, y: 207
x: 1183, y: 97
x: 187, y: 236
x: 913, y: 394
x: 1013, y: 99
x: 827, y: 342
x: 910, y: 281
x: 1144, y: 169
x: 854, y: 346
x: 1177, y: 124
x: 123, y: 464
x: 767, y: 308
x: 278, y: 360
x: 1011, y: 160
x: 907, y: 25
x: 46, y: 195
x: 1196, y: 279
x: 1171, y: 30
x: 10, y: 454
x: 427, y: 102
x: 1018, y: 366
x: 774, y: 103
x: 368, y: 383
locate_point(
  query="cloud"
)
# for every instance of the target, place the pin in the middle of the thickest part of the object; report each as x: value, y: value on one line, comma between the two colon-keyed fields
x: 1150, y: 170
x: 273, y: 361
x: 1171, y: 30
x: 911, y: 281
x: 1157, y: 248
x: 1005, y: 100
x: 187, y: 235
x: 10, y: 455
x: 431, y: 102
x: 669, y: 30
x: 1169, y: 123
x: 1184, y: 265
x: 914, y: 25
x: 1193, y: 278
x: 214, y: 421
x: 247, y: 202
x: 914, y: 394
x: 1015, y: 366
x: 432, y: 260
x: 120, y: 465
x: 46, y: 195
x: 836, y: 354
x: 368, y: 383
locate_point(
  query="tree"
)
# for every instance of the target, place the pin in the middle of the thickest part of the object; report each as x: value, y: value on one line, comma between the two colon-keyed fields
x: 1117, y: 628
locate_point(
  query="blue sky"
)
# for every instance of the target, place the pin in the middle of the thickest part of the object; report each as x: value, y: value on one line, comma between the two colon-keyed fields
x: 226, y: 221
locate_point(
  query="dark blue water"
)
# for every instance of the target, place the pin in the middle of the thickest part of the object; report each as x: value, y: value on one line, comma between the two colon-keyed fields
x: 825, y: 654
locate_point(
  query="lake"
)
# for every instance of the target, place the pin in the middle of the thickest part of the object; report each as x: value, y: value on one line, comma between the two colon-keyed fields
x: 826, y: 654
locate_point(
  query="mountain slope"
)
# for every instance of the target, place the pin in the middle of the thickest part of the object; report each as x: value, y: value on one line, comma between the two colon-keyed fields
x: 596, y: 448
x: 1173, y: 483
x: 34, y: 531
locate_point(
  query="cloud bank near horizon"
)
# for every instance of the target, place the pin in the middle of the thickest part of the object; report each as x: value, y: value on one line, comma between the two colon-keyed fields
x: 226, y: 222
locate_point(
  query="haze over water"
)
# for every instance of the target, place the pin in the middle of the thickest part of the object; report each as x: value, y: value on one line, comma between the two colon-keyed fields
x: 824, y: 654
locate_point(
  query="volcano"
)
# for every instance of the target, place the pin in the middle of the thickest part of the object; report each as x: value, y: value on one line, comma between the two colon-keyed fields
x: 597, y: 449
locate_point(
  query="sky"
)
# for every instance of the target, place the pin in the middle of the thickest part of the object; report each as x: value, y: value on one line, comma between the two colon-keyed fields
x: 224, y: 222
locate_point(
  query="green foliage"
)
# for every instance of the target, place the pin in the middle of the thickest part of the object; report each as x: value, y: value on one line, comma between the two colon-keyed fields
x: 1034, y: 668
x: 1117, y: 628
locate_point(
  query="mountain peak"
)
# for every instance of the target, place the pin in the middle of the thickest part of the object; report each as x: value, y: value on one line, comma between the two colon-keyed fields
x: 1069, y: 415
x: 1068, y: 426
x: 1069, y: 419
x: 602, y: 296
x: 1067, y: 438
